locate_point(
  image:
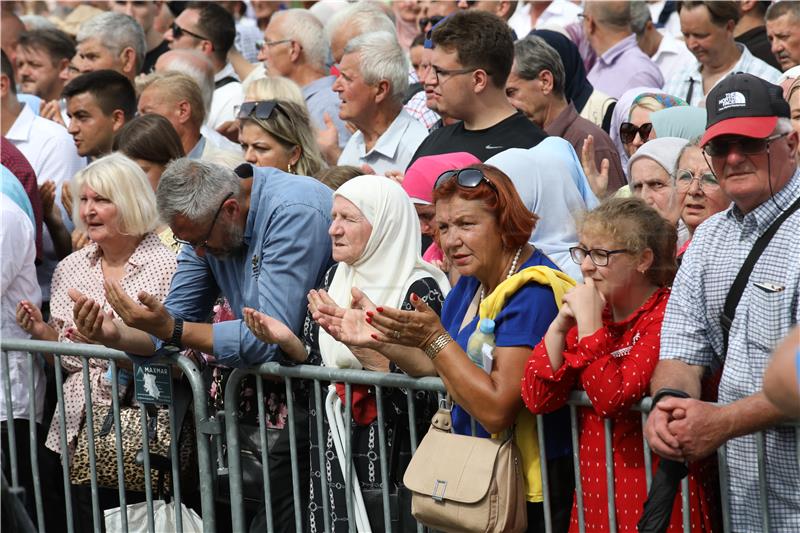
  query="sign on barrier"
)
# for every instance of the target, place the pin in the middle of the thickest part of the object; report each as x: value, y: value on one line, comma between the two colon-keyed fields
x: 153, y: 384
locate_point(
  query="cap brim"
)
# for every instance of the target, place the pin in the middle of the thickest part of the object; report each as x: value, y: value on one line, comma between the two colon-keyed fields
x: 756, y: 127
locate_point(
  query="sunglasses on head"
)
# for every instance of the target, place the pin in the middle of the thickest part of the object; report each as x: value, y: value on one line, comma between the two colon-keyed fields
x: 433, y: 21
x: 628, y: 131
x: 261, y: 109
x: 722, y: 146
x: 466, y: 177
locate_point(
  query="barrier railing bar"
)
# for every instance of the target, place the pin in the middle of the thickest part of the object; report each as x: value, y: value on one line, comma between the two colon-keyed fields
x: 548, y: 515
x: 321, y: 438
x: 87, y: 394
x: 62, y: 433
x: 12, y: 433
x: 685, y: 508
x: 148, y: 481
x: 412, y: 429
x: 262, y: 438
x: 348, y: 454
x: 387, y: 514
x: 175, y: 480
x: 648, y: 459
x: 118, y: 438
x: 722, y: 457
x: 576, y: 461
x: 34, y: 447
x: 762, y: 481
x: 612, y: 507
x: 235, y: 460
x: 298, y: 511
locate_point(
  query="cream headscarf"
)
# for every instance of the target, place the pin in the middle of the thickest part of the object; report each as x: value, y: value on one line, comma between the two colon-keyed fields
x: 391, y: 261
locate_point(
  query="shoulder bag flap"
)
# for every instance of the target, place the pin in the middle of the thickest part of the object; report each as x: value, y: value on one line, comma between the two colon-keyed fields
x: 452, y: 467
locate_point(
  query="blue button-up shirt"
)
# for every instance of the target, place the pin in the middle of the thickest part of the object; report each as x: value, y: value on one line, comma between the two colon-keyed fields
x: 286, y: 252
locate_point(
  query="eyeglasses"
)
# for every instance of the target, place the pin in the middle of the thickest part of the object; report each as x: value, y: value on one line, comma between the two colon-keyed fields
x: 721, y: 147
x: 466, y: 177
x: 433, y: 21
x: 598, y: 256
x: 439, y: 72
x: 684, y: 179
x: 261, y: 109
x: 204, y: 243
x: 628, y: 131
x: 270, y: 44
x: 177, y: 32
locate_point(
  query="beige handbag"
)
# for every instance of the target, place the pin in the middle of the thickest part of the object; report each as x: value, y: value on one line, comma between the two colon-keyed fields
x: 464, y: 483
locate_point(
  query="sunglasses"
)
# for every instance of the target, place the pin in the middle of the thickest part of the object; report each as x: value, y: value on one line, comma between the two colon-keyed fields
x: 628, y: 131
x: 466, y: 177
x: 177, y: 32
x: 598, y: 256
x: 721, y: 147
x: 433, y: 21
x: 684, y: 179
x: 261, y: 109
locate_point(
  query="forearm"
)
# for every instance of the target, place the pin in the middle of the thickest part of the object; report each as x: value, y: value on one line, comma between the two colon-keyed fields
x: 412, y: 361
x: 131, y: 340
x: 62, y: 240
x: 751, y: 414
x: 294, y: 349
x: 555, y: 341
x: 198, y: 336
x: 674, y: 374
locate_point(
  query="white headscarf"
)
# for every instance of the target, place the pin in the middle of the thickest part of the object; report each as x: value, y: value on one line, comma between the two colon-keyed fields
x: 391, y: 261
x: 546, y: 178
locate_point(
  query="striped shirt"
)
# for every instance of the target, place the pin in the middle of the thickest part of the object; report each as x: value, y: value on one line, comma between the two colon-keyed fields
x: 692, y: 333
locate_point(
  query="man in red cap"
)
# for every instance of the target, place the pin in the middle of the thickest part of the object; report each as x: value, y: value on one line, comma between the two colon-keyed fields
x: 735, y: 297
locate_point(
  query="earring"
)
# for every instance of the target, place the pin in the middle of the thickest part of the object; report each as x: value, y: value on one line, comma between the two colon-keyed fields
x: 289, y: 169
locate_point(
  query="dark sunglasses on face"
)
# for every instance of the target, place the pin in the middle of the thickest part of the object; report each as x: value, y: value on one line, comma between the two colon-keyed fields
x: 628, y: 131
x: 721, y: 147
x: 433, y: 21
x: 466, y: 177
x: 177, y: 32
x: 261, y: 109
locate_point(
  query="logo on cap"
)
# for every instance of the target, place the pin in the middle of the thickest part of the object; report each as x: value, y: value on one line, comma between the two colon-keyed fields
x: 734, y: 99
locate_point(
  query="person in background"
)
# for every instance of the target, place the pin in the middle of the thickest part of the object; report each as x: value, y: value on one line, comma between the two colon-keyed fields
x: 667, y: 51
x: 336, y: 176
x: 275, y: 88
x: 651, y: 171
x: 41, y: 56
x: 277, y: 133
x: 145, y: 13
x: 405, y: 19
x: 415, y: 54
x: 638, y: 129
x: 110, y: 41
x: 752, y: 32
x: 783, y: 32
x: 604, y: 341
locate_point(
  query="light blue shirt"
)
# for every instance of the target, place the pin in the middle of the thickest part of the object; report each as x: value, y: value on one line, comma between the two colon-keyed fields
x: 320, y: 99
x: 393, y: 150
x: 12, y: 188
x: 286, y: 252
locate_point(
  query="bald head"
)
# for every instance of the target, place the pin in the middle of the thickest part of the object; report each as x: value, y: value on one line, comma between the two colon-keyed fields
x: 616, y: 16
x: 194, y: 64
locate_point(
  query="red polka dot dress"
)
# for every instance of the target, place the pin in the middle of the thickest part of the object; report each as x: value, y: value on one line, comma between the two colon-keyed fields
x: 613, y: 366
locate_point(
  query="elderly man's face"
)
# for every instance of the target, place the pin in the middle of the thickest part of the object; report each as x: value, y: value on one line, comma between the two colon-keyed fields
x: 703, y: 38
x: 153, y: 101
x: 357, y: 96
x: 654, y: 185
x: 276, y: 51
x: 528, y: 97
x: 784, y: 38
x: 92, y: 56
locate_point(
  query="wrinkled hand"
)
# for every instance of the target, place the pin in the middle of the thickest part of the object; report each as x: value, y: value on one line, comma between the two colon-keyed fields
x: 598, y: 179
x: 47, y: 192
x: 79, y: 239
x: 230, y: 130
x: 416, y: 328
x: 51, y: 111
x: 328, y: 140
x: 29, y: 318
x: 151, y: 316
x: 699, y: 427
x: 66, y: 196
x: 267, y: 329
x: 92, y: 323
x: 347, y: 326
x: 658, y: 434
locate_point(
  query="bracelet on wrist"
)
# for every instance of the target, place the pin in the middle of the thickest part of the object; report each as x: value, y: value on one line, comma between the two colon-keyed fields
x: 432, y: 350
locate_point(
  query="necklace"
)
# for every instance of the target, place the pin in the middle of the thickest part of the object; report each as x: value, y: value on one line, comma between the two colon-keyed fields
x: 511, y: 270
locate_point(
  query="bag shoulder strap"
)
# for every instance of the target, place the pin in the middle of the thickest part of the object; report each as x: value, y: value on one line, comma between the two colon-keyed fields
x: 739, y: 284
x: 222, y: 82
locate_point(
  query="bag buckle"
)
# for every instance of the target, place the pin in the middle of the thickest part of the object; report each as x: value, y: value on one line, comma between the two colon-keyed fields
x: 438, y: 495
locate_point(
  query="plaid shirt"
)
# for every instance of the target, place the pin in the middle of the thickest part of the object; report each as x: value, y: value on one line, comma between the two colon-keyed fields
x: 417, y: 108
x: 13, y: 160
x: 692, y: 333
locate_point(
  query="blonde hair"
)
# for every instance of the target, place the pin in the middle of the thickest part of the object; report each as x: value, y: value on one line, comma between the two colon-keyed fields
x: 274, y: 88
x: 125, y: 184
x: 175, y: 86
x: 647, y: 102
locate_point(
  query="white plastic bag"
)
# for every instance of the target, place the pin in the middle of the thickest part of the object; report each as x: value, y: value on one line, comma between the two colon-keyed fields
x: 163, y: 518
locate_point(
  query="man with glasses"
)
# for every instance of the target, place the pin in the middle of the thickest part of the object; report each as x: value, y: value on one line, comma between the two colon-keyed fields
x: 750, y: 147
x: 207, y: 27
x: 470, y: 62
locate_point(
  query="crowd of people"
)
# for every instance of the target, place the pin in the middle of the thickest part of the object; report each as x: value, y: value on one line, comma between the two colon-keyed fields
x: 605, y: 194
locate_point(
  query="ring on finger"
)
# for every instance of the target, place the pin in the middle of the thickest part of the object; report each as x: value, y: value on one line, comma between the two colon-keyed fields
x: 396, y: 334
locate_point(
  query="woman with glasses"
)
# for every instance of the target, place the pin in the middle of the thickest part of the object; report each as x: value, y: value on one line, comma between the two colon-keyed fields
x: 605, y: 341
x: 484, y: 229
x: 278, y: 133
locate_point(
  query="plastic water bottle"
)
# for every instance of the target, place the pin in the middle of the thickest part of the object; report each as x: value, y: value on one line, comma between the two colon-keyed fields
x: 484, y: 335
x: 123, y: 380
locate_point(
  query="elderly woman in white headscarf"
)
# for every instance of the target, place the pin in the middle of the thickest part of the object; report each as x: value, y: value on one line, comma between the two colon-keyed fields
x: 375, y: 242
x: 550, y: 180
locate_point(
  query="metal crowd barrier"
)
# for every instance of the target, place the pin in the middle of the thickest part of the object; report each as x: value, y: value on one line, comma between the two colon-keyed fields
x: 208, y: 426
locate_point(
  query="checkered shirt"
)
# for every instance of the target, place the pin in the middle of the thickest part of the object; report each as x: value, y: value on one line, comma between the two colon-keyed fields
x: 418, y: 108
x: 692, y: 333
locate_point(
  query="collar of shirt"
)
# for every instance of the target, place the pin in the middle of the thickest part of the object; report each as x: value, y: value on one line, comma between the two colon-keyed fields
x: 559, y: 126
x: 325, y: 82
x: 226, y: 71
x: 613, y: 53
x: 669, y: 46
x: 197, y: 151
x: 138, y: 258
x: 765, y: 214
x: 21, y: 129
x: 745, y: 60
x: 390, y: 139
x: 255, y: 201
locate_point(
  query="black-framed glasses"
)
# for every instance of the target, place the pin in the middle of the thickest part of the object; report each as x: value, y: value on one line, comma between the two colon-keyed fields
x: 439, y: 72
x: 177, y: 31
x: 204, y: 243
x: 598, y: 256
x: 722, y: 146
x: 260, y: 109
x: 628, y: 131
x: 466, y: 177
x: 684, y: 178
x: 433, y: 21
x: 269, y: 44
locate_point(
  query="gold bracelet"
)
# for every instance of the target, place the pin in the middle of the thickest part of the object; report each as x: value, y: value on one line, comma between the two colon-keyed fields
x: 433, y: 349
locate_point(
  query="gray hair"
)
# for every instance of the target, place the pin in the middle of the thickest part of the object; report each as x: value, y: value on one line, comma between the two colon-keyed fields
x: 640, y: 16
x: 783, y: 127
x: 533, y: 55
x: 363, y: 16
x: 194, y: 189
x: 198, y: 67
x: 779, y: 9
x: 381, y: 58
x: 301, y: 26
x: 115, y: 32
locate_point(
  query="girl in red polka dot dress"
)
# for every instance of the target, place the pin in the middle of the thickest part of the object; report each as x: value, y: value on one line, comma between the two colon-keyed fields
x: 605, y: 341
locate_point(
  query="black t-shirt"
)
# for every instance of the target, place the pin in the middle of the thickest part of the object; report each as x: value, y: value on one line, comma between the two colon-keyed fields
x: 152, y: 56
x: 515, y: 131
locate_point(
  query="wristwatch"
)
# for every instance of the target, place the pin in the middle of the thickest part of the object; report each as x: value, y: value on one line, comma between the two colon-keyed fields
x: 177, y: 333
